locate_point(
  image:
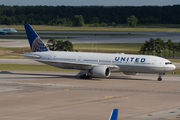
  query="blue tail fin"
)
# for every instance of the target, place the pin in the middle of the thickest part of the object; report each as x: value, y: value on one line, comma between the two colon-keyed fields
x: 36, y: 44
x: 114, y: 114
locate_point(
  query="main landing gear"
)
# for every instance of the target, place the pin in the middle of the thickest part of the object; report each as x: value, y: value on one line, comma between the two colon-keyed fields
x: 86, y: 75
x: 160, y: 78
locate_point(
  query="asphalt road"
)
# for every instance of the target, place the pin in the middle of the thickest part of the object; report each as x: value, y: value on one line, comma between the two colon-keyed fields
x: 35, y: 95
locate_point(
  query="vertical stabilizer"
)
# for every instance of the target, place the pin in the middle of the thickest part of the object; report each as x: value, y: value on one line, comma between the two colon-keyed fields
x: 35, y: 42
x: 114, y: 114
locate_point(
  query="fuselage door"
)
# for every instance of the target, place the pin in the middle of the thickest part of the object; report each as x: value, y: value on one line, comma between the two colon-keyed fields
x: 80, y: 59
x: 48, y: 57
x: 154, y: 62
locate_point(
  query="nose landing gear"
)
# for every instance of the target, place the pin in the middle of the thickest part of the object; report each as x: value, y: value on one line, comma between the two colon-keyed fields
x: 160, y: 78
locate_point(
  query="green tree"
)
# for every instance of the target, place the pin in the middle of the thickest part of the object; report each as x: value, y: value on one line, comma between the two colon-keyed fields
x: 96, y: 24
x: 8, y: 21
x: 53, y: 44
x: 169, y: 45
x: 149, y: 46
x: 178, y: 47
x: 143, y: 49
x: 95, y: 20
x: 160, y: 45
x: 59, y: 45
x: 132, y: 21
x: 103, y: 24
x: 152, y: 43
x: 78, y: 20
x: 174, y: 48
x: 113, y: 24
x: 68, y: 46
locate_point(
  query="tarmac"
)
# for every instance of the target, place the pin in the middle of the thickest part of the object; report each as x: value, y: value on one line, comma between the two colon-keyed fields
x: 35, y: 95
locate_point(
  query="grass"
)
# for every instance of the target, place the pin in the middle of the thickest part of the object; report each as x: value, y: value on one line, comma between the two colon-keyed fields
x: 48, y: 27
x: 109, y: 47
x: 15, y: 49
x: 4, y: 41
x: 175, y: 60
x: 5, y: 56
x: 177, y: 71
x: 4, y: 50
x: 32, y: 67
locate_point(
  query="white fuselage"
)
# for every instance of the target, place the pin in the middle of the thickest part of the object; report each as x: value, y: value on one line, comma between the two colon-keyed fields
x: 125, y: 62
x: 7, y: 30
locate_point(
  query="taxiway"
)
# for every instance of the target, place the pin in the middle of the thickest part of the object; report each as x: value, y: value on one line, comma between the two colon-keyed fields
x: 48, y: 95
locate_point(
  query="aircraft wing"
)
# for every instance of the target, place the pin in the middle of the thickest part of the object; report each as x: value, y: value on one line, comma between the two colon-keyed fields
x: 75, y: 63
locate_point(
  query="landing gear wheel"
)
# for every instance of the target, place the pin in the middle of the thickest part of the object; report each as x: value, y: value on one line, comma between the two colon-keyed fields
x: 89, y: 76
x: 85, y: 76
x: 159, y: 79
x: 81, y: 76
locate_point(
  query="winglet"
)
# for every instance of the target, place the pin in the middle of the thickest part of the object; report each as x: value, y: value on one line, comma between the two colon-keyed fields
x: 114, y: 114
x: 36, y: 44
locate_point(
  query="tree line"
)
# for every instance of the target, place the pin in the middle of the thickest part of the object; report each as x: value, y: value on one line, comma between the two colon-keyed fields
x: 159, y: 47
x: 96, y: 15
x: 152, y: 47
x: 59, y: 45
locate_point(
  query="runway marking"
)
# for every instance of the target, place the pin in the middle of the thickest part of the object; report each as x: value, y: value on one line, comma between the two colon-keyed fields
x: 125, y: 97
x: 108, y: 96
x: 66, y: 89
x: 43, y: 109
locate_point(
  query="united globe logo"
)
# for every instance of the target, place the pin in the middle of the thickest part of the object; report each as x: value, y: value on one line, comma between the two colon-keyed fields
x: 38, y: 45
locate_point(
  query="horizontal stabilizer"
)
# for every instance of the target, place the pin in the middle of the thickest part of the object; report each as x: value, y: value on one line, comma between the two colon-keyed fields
x: 31, y: 56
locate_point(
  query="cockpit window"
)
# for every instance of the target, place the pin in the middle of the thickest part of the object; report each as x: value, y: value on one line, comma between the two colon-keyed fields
x: 167, y: 63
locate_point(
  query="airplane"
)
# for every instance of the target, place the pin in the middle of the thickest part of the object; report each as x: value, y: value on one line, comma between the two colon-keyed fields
x: 7, y: 31
x: 95, y: 64
x: 114, y: 114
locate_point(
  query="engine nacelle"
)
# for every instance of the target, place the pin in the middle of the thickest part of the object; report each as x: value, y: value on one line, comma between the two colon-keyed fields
x: 130, y: 73
x: 101, y: 71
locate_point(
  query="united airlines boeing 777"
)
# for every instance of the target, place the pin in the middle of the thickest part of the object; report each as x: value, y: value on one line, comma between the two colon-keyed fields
x: 96, y: 64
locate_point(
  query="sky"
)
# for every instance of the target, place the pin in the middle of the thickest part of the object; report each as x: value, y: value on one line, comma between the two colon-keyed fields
x: 90, y: 2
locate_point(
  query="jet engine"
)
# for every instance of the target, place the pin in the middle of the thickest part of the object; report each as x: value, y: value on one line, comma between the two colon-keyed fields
x: 101, y: 71
x: 130, y: 73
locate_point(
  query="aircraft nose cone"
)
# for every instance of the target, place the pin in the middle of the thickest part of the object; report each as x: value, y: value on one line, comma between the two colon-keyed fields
x: 174, y: 67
